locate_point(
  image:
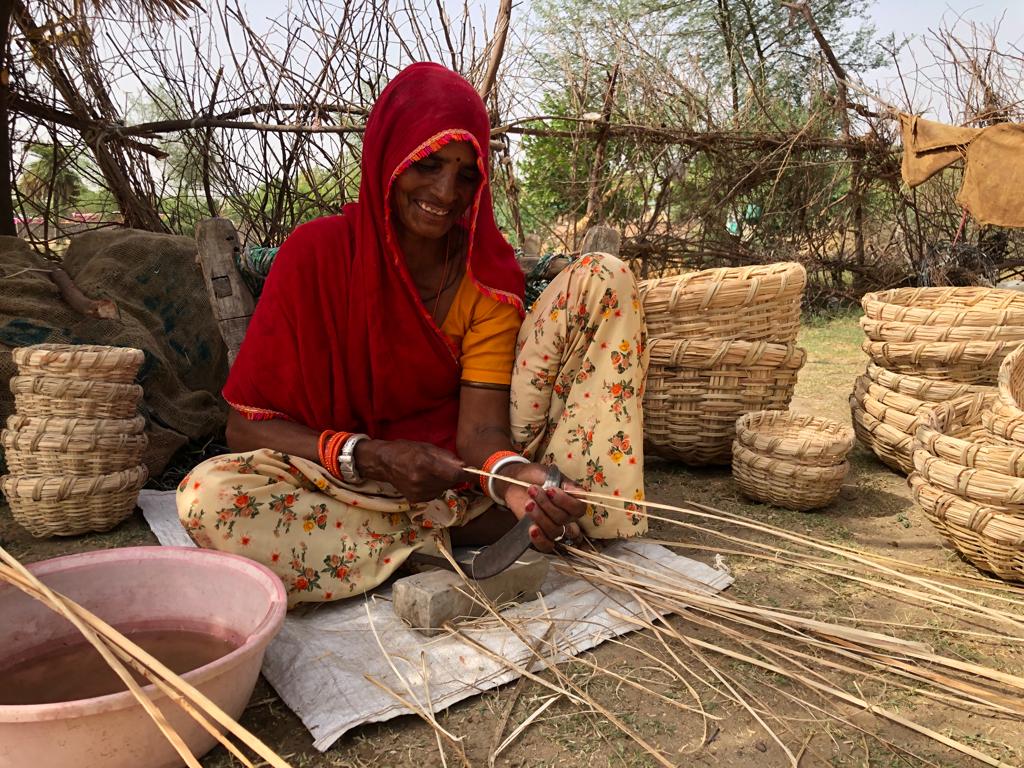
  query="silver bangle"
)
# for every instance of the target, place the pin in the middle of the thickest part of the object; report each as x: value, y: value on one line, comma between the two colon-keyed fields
x: 504, y: 462
x: 347, y: 459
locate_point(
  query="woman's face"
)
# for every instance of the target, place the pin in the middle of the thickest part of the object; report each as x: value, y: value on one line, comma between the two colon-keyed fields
x: 429, y: 196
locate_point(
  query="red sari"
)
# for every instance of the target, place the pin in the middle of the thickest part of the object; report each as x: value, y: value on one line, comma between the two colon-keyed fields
x: 340, y: 338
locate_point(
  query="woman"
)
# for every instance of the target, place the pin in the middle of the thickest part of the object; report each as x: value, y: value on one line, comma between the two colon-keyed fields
x: 388, y: 352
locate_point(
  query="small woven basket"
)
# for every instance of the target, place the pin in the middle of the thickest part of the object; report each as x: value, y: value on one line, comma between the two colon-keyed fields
x: 70, y: 397
x: 975, y: 306
x: 60, y: 425
x: 82, y: 361
x: 802, y: 439
x: 696, y: 389
x: 47, y: 453
x: 878, y: 330
x: 55, y: 505
x: 786, y: 484
x: 757, y: 303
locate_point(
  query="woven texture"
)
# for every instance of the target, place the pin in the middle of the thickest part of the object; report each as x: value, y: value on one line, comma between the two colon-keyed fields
x: 790, y: 460
x: 697, y: 389
x: 67, y: 506
x: 975, y: 306
x: 49, y: 453
x: 757, y: 303
x: 970, y: 486
x: 971, y: 362
x: 86, y: 361
x: 71, y: 397
x: 908, y: 332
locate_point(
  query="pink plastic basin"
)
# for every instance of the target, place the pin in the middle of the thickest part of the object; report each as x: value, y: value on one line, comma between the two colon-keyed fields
x: 139, y: 587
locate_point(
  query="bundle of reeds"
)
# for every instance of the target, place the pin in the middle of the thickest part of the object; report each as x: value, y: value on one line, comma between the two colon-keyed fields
x: 74, y: 446
x: 722, y: 344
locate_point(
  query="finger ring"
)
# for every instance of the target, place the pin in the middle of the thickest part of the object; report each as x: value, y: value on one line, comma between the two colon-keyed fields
x: 553, y: 478
x: 561, y: 536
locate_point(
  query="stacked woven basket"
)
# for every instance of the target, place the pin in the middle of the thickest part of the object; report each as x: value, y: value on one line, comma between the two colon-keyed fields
x: 74, y: 445
x: 928, y: 346
x: 722, y: 343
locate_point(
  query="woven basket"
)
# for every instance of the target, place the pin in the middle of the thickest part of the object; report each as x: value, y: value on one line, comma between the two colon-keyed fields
x: 972, y: 362
x: 82, y: 361
x: 696, y: 390
x: 812, y: 441
x: 991, y: 540
x: 987, y: 307
x: 759, y: 303
x: 877, y: 330
x: 1011, y: 380
x: 955, y: 434
x: 897, y: 418
x: 1004, y: 422
x: 71, y: 397
x: 784, y: 483
x: 60, y: 425
x: 55, y: 505
x: 968, y: 481
x: 928, y: 390
x: 892, y: 447
x: 46, y: 453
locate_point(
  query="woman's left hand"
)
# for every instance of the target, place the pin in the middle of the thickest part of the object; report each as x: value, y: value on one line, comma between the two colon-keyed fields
x: 553, y: 511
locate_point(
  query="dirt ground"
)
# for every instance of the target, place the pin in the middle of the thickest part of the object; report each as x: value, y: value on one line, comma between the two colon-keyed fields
x: 874, y: 512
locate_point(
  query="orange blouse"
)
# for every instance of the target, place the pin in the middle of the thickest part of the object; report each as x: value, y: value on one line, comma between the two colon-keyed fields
x: 485, y: 331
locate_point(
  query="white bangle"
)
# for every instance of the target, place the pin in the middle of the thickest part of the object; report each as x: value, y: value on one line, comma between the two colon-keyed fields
x: 347, y: 459
x: 503, y: 462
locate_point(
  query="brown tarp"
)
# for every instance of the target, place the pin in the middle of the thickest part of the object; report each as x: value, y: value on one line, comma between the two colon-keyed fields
x: 164, y: 310
x: 994, y: 165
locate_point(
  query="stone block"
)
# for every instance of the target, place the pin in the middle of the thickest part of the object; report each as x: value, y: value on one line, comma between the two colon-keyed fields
x: 429, y: 599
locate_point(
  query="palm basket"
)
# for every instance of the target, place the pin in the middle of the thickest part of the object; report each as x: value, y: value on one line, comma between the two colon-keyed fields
x: 878, y: 330
x: 971, y: 362
x: 72, y: 397
x: 757, y: 303
x: 83, y: 361
x: 975, y: 306
x: 971, y: 488
x: 892, y: 446
x: 48, y: 453
x: 793, y: 461
x: 919, y: 388
x: 696, y: 389
x: 60, y: 425
x: 64, y: 505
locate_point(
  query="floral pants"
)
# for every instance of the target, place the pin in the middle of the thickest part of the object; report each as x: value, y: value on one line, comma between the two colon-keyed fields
x: 576, y: 401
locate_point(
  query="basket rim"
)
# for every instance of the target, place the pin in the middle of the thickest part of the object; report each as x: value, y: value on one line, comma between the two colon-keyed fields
x: 908, y: 384
x: 46, y: 442
x: 899, y: 304
x: 43, y: 488
x: 712, y: 353
x: 801, y: 434
x: 71, y: 387
x: 971, y: 515
x: 708, y: 289
x: 72, y: 425
x: 787, y: 470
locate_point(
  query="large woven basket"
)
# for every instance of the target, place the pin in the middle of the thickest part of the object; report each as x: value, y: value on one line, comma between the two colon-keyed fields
x: 986, y: 307
x: 758, y: 303
x: 878, y: 330
x: 803, y: 439
x: 60, y: 425
x: 971, y: 362
x: 72, y: 397
x: 892, y: 446
x: 83, y: 361
x: 790, y: 460
x: 894, y: 409
x: 695, y: 391
x: 54, y: 505
x: 48, y: 453
x: 785, y: 483
x: 919, y: 388
x: 971, y: 488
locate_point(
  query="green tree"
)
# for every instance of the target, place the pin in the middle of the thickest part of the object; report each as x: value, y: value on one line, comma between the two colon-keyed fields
x: 51, y: 183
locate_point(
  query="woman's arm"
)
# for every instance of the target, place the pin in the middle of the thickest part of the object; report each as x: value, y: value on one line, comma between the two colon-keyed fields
x: 484, y: 429
x: 420, y: 471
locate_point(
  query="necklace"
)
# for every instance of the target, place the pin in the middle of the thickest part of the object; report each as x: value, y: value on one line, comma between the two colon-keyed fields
x: 444, y: 279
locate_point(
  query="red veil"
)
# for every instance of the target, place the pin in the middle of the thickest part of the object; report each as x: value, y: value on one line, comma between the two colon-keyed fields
x: 340, y: 338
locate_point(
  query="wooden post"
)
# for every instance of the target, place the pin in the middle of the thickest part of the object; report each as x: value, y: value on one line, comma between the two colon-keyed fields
x: 601, y: 239
x: 230, y: 299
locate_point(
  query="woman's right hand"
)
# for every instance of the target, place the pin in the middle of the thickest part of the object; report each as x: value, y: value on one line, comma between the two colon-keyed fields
x: 420, y: 471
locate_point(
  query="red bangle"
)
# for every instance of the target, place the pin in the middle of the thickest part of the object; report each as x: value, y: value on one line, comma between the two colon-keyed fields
x: 333, y: 449
x: 321, y: 446
x: 493, y: 459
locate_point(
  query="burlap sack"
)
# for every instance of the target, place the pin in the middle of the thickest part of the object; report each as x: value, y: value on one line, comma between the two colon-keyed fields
x: 165, y: 312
